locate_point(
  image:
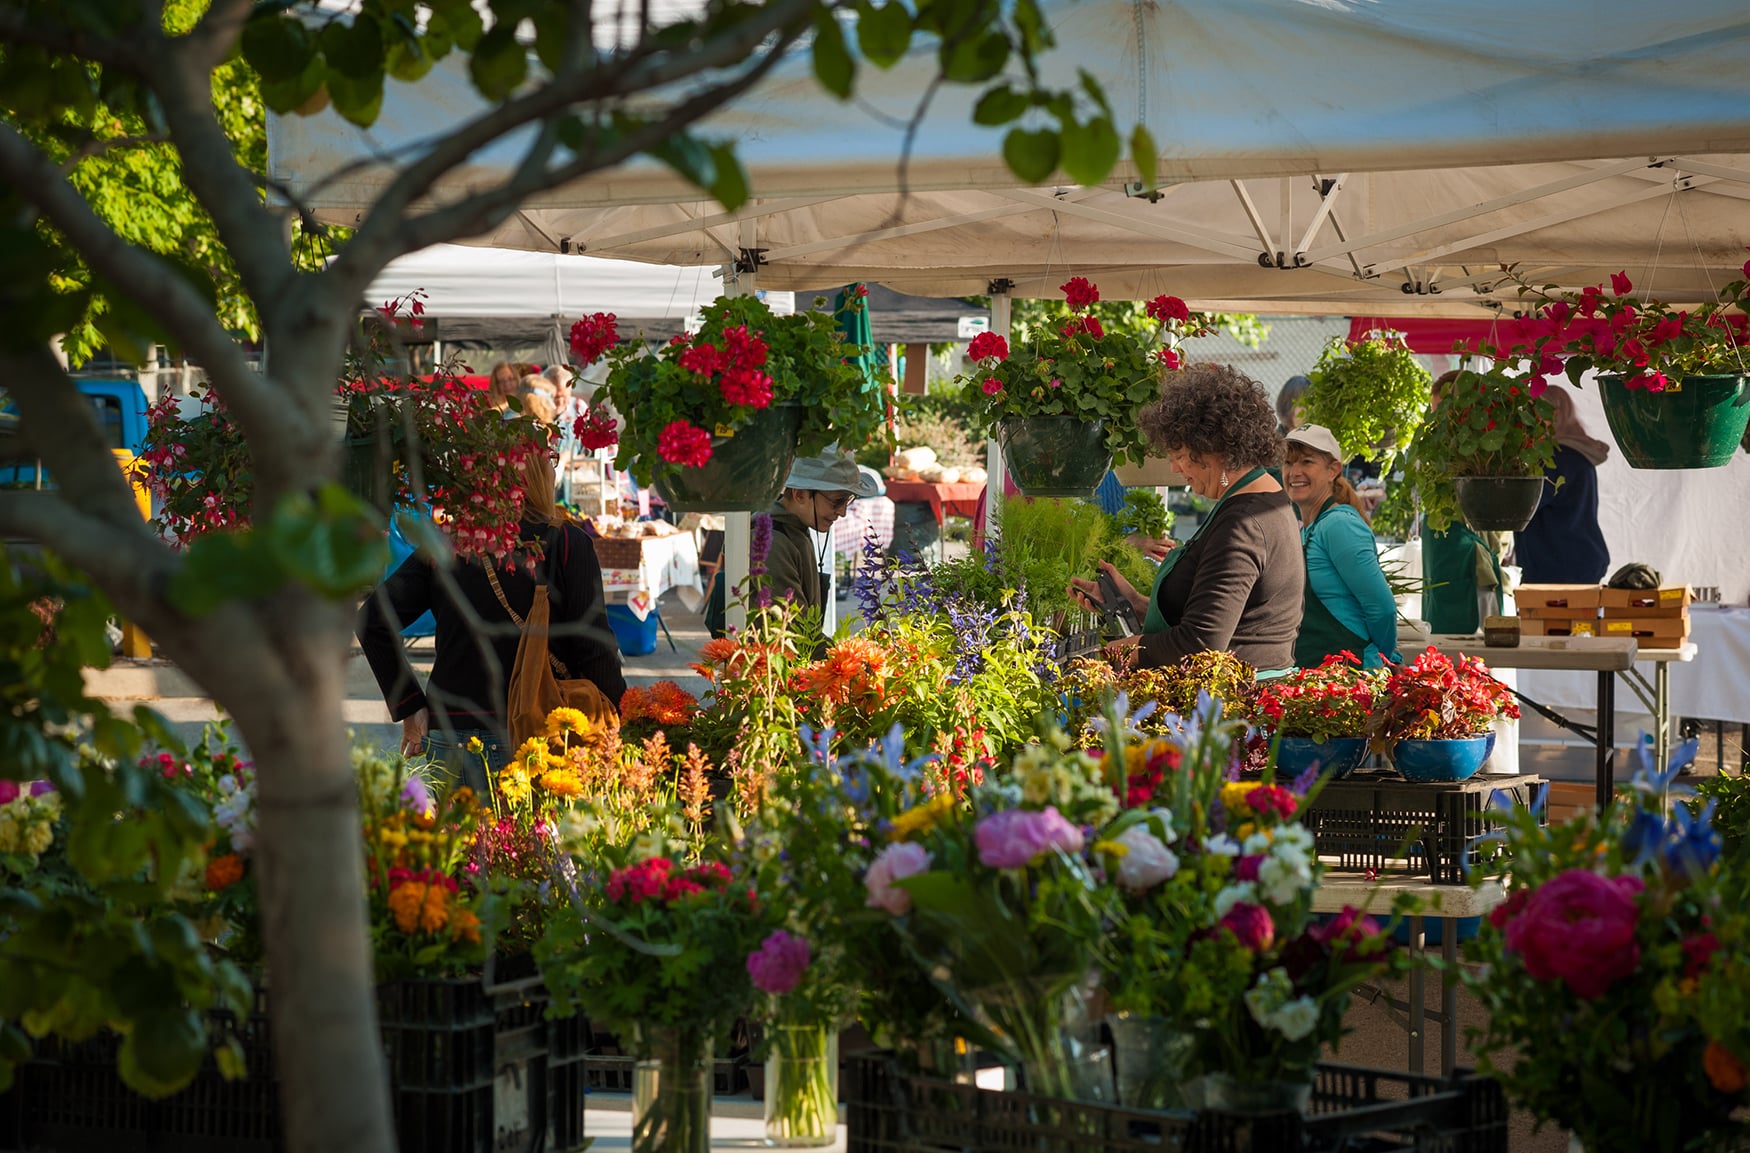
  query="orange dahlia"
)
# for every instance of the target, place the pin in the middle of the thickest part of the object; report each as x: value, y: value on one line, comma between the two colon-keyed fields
x: 225, y: 871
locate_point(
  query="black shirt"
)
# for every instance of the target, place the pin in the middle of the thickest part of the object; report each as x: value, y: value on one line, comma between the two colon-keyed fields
x: 470, y: 684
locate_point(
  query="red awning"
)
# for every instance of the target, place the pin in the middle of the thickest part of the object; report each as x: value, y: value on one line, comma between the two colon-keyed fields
x: 1429, y: 335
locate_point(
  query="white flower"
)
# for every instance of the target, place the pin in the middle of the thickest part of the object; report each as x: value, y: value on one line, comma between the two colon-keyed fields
x: 1267, y: 995
x: 1258, y: 842
x: 1222, y: 845
x: 1147, y: 862
x: 1161, y: 822
x: 1294, y: 837
x: 646, y: 846
x: 227, y: 784
x: 1296, y: 1019
x: 577, y: 825
x: 1283, y: 880
x: 1234, y: 895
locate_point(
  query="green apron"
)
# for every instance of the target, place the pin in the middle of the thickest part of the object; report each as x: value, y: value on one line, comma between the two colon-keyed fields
x: 1449, y: 573
x: 1156, y: 621
x: 1321, y: 633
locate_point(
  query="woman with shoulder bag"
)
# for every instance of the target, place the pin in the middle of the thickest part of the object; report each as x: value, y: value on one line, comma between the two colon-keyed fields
x: 468, y: 693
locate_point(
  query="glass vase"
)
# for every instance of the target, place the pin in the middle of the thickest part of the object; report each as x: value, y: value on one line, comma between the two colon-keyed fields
x: 1229, y: 1094
x: 671, y: 1091
x: 802, y: 1085
x: 1050, y: 1030
x: 1152, y: 1057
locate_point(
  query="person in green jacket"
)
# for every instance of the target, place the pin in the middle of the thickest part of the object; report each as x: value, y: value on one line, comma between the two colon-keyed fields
x: 816, y: 494
x: 1461, y: 570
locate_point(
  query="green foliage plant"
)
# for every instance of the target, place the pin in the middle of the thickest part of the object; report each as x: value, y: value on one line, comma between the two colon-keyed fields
x: 1371, y: 393
x: 702, y: 388
x: 1071, y: 365
x: 1486, y: 424
x: 1045, y: 542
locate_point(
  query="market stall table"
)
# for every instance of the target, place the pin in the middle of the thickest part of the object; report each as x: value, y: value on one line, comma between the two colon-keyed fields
x: 636, y: 571
x: 945, y: 500
x: 1445, y: 903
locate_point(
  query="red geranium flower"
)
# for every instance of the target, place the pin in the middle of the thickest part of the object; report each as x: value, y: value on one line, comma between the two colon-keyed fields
x: 681, y: 443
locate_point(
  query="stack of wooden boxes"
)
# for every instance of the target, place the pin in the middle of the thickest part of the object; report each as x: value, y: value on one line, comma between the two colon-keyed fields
x: 1658, y: 618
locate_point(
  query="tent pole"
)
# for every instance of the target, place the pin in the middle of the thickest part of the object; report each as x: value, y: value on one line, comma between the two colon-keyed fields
x: 1000, y: 318
x: 737, y: 526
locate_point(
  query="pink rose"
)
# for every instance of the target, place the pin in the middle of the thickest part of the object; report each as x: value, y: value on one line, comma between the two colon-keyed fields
x: 894, y: 863
x: 776, y: 967
x: 1014, y: 838
x: 1252, y: 925
x: 1579, y: 927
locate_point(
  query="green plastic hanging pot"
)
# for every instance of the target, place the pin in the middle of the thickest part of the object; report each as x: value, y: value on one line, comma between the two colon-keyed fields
x: 746, y: 471
x: 1498, y: 503
x: 1695, y: 424
x: 1056, y: 456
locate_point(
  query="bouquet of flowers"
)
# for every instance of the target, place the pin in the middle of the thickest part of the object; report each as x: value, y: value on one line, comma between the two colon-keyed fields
x: 1616, y: 975
x: 1072, y: 366
x: 1332, y: 700
x: 1436, y: 698
x: 1650, y: 344
x: 215, y: 774
x: 702, y: 387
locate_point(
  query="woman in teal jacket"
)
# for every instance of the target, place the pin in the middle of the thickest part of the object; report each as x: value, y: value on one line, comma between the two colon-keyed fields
x: 1348, y: 605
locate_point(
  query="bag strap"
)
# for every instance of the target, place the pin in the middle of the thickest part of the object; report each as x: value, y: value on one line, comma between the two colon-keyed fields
x: 559, y: 669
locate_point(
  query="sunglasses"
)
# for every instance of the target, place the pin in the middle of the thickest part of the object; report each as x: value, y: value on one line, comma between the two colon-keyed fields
x: 837, y: 504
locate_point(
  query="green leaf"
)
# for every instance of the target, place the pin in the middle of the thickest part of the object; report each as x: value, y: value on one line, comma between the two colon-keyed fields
x: 358, y: 99
x: 1095, y: 92
x: 162, y: 1052
x: 833, y: 65
x: 730, y: 188
x: 884, y: 33
x: 975, y: 60
x: 224, y: 566
x: 1577, y: 367
x: 408, y: 60
x: 334, y: 544
x: 354, y: 50
x: 999, y: 105
x: 1144, y: 156
x: 499, y: 64
x: 1031, y: 154
x: 552, y: 30
x: 1090, y: 150
x: 277, y: 46
x: 290, y: 95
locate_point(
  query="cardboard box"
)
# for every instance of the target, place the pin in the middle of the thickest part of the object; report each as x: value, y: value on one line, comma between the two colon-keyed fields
x: 1652, y: 632
x: 1551, y: 628
x: 1557, y: 597
x: 1545, y: 613
x: 1612, y: 613
x: 1663, y: 597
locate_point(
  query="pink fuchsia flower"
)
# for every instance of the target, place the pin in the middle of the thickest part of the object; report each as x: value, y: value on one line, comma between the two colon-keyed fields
x: 777, y: 965
x: 1079, y: 292
x: 1146, y: 862
x: 1272, y: 801
x: 1251, y: 926
x: 987, y: 346
x: 1579, y: 928
x: 894, y: 863
x: 1014, y: 838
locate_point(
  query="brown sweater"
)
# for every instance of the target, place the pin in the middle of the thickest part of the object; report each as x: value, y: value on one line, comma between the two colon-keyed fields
x: 1238, y: 587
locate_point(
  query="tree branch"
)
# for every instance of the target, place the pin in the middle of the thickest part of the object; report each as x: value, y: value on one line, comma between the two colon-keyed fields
x: 96, y: 147
x: 217, y: 34
x: 144, y: 277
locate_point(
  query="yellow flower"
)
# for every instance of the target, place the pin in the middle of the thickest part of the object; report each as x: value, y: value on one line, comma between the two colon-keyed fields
x: 533, y: 754
x: 513, y: 782
x: 474, y: 745
x: 562, y: 782
x: 921, y: 818
x: 1233, y: 794
x: 561, y: 722
x: 1115, y: 849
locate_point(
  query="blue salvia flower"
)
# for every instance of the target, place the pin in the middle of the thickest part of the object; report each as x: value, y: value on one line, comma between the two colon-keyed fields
x: 1694, y: 844
x: 972, y: 624
x: 1302, y: 784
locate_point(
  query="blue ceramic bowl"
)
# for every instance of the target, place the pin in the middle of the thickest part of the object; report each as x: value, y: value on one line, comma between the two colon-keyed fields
x: 1337, y: 756
x: 1433, y: 761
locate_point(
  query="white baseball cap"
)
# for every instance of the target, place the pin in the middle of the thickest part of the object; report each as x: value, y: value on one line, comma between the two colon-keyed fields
x: 1319, y: 437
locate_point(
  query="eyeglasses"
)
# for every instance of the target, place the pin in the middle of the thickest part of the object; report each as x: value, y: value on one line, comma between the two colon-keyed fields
x: 837, y: 504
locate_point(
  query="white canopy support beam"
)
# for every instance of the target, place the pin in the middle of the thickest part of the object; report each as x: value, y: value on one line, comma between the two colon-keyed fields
x: 606, y: 244
x: 1252, y: 214
x: 916, y: 228
x: 1001, y: 322
x: 1070, y: 207
x: 737, y: 526
x: 1329, y: 190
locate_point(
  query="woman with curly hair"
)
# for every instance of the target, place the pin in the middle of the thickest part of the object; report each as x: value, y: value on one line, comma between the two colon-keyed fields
x: 1237, y: 584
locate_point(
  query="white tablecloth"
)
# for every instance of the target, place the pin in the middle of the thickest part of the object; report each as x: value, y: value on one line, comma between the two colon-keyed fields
x: 1715, y: 685
x: 668, y: 562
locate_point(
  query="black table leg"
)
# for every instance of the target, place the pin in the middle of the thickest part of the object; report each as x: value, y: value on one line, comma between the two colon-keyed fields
x: 1606, y: 737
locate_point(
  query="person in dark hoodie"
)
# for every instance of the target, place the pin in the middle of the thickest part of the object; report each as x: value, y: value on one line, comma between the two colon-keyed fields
x: 1563, y: 543
x: 816, y: 494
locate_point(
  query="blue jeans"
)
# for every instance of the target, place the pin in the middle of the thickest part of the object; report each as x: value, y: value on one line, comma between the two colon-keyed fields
x: 455, y: 765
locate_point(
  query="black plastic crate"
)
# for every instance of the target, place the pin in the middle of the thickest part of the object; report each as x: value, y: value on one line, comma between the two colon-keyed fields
x: 1352, y: 1109
x: 613, y: 1074
x: 567, y: 1098
x: 1379, y: 821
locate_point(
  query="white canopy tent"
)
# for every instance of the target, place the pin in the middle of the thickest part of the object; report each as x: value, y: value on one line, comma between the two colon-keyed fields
x: 1376, y: 157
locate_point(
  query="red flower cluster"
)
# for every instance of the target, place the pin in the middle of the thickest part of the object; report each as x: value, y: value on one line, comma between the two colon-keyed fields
x: 683, y: 444
x: 1331, y: 700
x: 399, y: 877
x: 1346, y: 933
x: 1433, y: 698
x: 1078, y: 324
x: 991, y: 386
x: 1167, y: 308
x: 1272, y: 800
x: 596, y: 429
x: 592, y: 336
x: 747, y: 386
x: 1079, y: 293
x: 1140, y: 787
x: 1170, y: 359
x: 988, y: 345
x: 658, y: 880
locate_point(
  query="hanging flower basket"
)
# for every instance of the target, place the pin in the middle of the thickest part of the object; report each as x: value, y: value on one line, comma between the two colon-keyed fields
x: 746, y: 471
x: 1059, y: 456
x: 1498, y: 503
x: 1697, y: 423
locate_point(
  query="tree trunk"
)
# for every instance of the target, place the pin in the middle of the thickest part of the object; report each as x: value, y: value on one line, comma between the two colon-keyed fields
x: 327, y: 1049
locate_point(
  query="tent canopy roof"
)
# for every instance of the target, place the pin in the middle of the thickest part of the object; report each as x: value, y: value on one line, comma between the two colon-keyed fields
x: 1375, y: 157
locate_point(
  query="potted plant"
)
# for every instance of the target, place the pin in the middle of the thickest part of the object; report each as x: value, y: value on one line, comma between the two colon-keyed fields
x: 1434, y: 717
x: 1319, y: 715
x: 714, y: 418
x: 1617, y: 975
x: 1482, y: 452
x: 1371, y: 393
x: 1672, y: 380
x: 1063, y: 400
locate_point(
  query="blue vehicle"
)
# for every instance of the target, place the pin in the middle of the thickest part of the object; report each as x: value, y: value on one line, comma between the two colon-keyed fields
x: 118, y: 403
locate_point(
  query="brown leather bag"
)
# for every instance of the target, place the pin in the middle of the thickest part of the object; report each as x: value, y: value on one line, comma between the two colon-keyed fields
x: 539, y: 681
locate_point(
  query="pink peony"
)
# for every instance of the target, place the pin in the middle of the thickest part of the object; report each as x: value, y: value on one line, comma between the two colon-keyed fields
x: 1252, y: 925
x: 1014, y: 838
x: 8, y: 791
x: 1346, y: 930
x: 895, y: 863
x: 1147, y: 860
x: 1579, y: 927
x: 1246, y: 868
x: 777, y: 965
